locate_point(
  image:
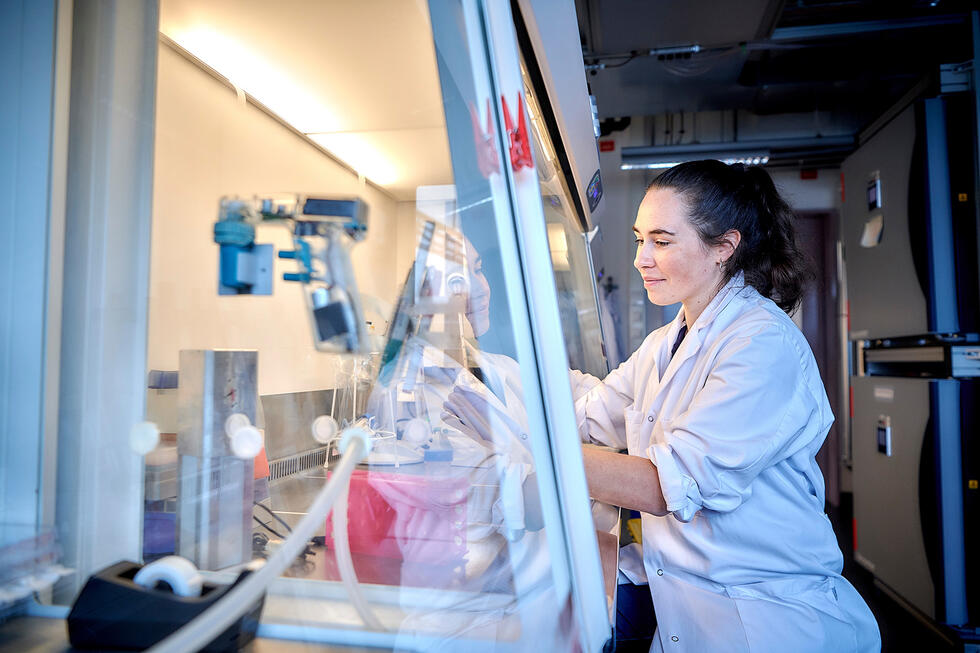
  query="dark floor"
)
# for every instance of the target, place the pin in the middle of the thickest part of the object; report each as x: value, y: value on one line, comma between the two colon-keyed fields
x: 900, y: 631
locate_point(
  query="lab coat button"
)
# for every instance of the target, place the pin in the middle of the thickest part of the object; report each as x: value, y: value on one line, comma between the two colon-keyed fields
x: 660, y: 572
x: 649, y: 418
x: 523, y: 436
x: 673, y: 638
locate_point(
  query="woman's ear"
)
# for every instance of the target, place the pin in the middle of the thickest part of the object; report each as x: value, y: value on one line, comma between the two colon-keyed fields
x: 728, y: 245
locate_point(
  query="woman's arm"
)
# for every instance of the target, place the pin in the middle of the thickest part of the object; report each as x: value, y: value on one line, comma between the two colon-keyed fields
x: 623, y: 480
x: 599, y: 410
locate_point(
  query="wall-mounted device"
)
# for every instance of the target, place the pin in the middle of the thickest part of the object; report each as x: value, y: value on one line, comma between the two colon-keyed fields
x: 874, y: 224
x: 324, y: 230
x: 883, y: 434
x: 874, y: 191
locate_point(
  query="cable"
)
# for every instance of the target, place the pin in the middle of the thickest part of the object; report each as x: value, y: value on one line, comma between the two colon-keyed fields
x: 210, y: 623
x: 274, y: 516
x: 268, y: 528
x: 621, y: 64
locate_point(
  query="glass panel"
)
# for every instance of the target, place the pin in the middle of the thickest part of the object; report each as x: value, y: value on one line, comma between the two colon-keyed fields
x: 570, y: 259
x: 577, y: 305
x: 393, y: 310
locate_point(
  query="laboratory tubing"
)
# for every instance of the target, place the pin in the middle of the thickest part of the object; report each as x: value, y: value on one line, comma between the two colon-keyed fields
x: 355, y: 444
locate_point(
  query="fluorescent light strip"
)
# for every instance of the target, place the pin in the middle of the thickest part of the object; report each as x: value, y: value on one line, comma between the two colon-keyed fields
x: 754, y: 159
x: 287, y: 98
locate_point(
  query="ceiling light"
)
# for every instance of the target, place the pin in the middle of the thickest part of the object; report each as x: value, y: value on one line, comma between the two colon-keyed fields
x: 650, y: 160
x: 356, y: 152
x: 650, y: 165
x: 246, y: 69
x: 288, y: 99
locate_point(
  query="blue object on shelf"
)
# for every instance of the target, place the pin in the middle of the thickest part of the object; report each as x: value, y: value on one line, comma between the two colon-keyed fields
x: 159, y: 533
x: 162, y: 379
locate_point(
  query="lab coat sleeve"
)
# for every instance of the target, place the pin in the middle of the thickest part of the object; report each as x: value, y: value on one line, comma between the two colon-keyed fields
x: 581, y: 383
x: 599, y: 413
x: 758, y: 406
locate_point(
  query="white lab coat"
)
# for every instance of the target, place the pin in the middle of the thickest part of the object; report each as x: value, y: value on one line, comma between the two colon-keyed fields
x: 746, y: 559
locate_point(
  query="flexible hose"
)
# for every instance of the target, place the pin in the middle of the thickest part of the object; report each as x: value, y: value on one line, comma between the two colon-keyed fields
x: 201, y: 630
x: 346, y: 565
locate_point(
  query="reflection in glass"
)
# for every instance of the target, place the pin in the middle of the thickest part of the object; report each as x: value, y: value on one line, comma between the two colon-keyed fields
x: 569, y: 256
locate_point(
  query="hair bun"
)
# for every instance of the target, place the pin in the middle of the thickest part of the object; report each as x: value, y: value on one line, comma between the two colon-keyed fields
x: 722, y: 198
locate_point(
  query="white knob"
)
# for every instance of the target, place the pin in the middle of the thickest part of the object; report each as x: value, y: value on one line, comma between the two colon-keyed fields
x: 325, y: 429
x: 236, y: 421
x: 144, y: 437
x: 246, y: 442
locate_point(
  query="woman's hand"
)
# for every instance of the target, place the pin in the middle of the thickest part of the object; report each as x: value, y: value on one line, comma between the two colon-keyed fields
x: 469, y: 411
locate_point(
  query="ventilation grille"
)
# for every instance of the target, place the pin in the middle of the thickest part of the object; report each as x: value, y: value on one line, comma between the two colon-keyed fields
x: 299, y: 462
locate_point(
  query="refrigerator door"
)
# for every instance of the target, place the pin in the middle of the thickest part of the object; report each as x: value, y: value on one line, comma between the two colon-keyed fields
x: 888, y: 506
x: 886, y: 298
x: 913, y: 505
x: 909, y: 224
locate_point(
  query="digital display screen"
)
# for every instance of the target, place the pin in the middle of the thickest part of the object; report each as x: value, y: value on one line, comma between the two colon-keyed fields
x: 594, y: 191
x: 884, y: 439
x: 874, y: 193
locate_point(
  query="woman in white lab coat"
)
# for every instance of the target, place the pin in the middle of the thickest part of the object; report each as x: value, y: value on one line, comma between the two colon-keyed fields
x: 721, y: 413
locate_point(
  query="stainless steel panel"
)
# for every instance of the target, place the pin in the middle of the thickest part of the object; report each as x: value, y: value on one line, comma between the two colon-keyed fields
x: 288, y: 418
x: 213, y: 385
x: 215, y: 491
x: 889, y: 538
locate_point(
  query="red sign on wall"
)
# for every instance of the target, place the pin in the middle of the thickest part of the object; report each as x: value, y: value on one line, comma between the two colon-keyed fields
x: 607, y: 146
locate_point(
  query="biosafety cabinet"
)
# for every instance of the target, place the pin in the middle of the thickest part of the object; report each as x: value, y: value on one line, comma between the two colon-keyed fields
x: 298, y: 287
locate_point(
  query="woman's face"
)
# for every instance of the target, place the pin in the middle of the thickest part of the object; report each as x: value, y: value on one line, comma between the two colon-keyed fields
x: 478, y: 302
x: 675, y: 264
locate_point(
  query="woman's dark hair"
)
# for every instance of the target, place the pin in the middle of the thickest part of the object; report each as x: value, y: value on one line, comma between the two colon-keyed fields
x: 720, y: 198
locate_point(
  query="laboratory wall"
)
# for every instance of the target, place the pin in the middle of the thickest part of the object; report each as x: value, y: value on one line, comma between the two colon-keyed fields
x: 821, y: 193
x: 406, y: 216
x: 613, y: 254
x: 211, y: 143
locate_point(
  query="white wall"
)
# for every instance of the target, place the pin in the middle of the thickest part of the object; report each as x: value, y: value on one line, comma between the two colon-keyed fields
x: 406, y: 221
x: 820, y: 194
x: 622, y: 192
x: 209, y: 144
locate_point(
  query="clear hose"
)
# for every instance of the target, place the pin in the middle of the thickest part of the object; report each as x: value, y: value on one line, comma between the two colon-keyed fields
x: 201, y: 630
x: 346, y: 565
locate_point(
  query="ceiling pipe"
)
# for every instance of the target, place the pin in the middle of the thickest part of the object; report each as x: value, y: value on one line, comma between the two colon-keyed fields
x: 782, y: 37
